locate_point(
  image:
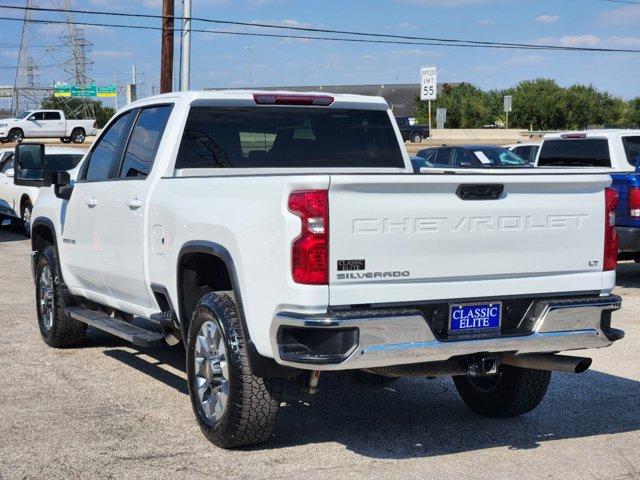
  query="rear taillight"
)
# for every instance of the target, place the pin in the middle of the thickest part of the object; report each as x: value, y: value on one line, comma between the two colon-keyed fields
x: 310, y: 250
x: 634, y: 202
x: 610, y: 235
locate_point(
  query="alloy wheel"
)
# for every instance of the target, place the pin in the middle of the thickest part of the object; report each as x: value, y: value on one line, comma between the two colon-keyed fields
x: 46, y: 298
x: 211, y: 380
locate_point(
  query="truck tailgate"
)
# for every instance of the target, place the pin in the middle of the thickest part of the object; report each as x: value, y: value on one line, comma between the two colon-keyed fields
x: 403, y: 238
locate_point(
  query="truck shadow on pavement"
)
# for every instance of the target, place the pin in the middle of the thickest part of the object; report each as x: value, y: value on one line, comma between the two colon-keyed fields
x: 416, y: 417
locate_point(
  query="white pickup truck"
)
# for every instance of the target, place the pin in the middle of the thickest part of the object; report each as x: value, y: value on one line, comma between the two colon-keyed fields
x: 284, y: 234
x: 45, y: 124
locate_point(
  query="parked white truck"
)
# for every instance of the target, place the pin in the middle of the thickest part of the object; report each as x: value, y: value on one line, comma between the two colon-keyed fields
x: 45, y: 124
x: 283, y: 234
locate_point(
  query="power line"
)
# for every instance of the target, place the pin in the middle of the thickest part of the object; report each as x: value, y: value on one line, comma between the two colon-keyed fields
x: 628, y: 2
x: 433, y: 41
x: 333, y: 39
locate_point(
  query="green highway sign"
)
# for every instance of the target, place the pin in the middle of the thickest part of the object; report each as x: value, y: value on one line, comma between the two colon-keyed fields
x: 65, y: 90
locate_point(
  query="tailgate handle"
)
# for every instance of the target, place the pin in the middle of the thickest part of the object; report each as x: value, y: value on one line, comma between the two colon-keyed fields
x: 480, y: 192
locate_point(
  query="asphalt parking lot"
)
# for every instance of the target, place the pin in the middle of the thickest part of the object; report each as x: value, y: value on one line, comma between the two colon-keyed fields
x: 108, y: 410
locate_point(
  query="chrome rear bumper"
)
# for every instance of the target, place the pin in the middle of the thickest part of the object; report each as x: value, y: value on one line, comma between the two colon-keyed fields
x: 395, y: 337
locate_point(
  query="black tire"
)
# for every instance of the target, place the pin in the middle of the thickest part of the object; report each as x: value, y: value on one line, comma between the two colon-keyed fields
x: 252, y: 403
x: 513, y: 392
x: 61, y: 330
x: 16, y: 135
x: 77, y: 135
x: 65, y: 140
x: 25, y: 216
x: 368, y: 380
x: 416, y: 137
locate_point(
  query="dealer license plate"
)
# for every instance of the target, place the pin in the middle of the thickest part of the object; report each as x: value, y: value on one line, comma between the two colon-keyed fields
x: 475, y: 318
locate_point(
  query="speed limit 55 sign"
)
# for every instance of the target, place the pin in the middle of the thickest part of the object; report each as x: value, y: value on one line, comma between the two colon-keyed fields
x: 428, y: 83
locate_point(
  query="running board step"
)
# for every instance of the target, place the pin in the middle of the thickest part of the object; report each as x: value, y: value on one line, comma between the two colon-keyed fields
x: 127, y: 331
x: 164, y: 319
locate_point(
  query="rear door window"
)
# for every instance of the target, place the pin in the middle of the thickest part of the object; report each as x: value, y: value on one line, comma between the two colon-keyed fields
x: 144, y: 141
x: 632, y: 149
x: 52, y: 115
x: 584, y: 152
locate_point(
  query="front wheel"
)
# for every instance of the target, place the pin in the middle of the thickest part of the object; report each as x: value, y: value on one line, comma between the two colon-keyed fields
x: 233, y: 407
x: 65, y: 140
x: 416, y: 137
x: 56, y: 327
x: 16, y: 135
x: 512, y: 392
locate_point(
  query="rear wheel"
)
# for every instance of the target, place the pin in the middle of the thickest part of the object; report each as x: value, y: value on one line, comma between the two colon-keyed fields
x: 416, y: 137
x: 77, y: 136
x: 512, y: 392
x: 56, y: 327
x: 233, y: 407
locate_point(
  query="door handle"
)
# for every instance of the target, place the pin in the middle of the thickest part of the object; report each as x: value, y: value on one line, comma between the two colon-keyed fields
x: 134, y: 203
x: 91, y: 202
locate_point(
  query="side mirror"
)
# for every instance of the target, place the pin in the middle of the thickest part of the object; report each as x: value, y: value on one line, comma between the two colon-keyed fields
x: 9, y: 173
x: 29, y: 164
x: 61, y: 182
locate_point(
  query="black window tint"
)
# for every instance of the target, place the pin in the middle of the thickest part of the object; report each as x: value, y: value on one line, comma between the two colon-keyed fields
x: 428, y: 154
x: 523, y: 152
x: 144, y: 141
x: 288, y: 137
x: 586, y: 152
x: 106, y: 150
x: 52, y: 115
x: 443, y: 157
x: 37, y: 116
x: 632, y: 149
x: 62, y: 162
x: 464, y: 158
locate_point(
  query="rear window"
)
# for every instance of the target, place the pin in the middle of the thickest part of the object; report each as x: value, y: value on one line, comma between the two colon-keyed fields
x: 282, y: 137
x: 632, y: 149
x: 60, y: 162
x: 587, y: 152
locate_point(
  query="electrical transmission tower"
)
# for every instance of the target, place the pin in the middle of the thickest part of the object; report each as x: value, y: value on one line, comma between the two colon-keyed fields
x: 61, y: 52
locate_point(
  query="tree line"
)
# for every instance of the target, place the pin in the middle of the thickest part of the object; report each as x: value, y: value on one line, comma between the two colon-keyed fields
x: 539, y: 104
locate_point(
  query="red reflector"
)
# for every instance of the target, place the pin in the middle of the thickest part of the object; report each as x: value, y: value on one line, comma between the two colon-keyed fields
x: 271, y: 99
x: 310, y: 250
x: 610, y: 236
x: 634, y: 202
x: 573, y: 135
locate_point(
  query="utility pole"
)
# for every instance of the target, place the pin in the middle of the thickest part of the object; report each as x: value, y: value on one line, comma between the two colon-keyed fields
x: 166, y: 59
x: 185, y: 77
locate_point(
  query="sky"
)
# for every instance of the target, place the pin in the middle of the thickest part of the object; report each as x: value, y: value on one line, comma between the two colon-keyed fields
x: 223, y: 60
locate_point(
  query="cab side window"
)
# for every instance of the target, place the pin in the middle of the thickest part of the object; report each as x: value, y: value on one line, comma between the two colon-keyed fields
x: 37, y: 116
x: 443, y: 157
x: 107, y: 150
x: 52, y: 115
x: 144, y: 141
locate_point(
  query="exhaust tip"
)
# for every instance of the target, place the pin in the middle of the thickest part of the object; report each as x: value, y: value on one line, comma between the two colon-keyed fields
x: 583, y: 365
